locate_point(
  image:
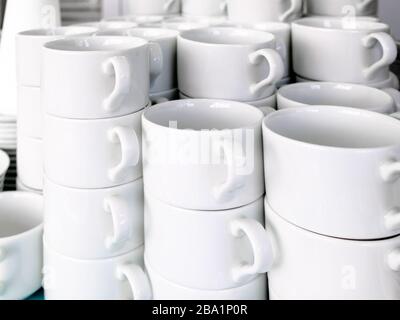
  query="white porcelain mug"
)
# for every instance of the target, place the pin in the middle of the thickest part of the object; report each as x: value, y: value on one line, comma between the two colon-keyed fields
x: 104, y: 222
x: 166, y: 290
x: 204, y: 8
x: 212, y: 250
x: 102, y: 77
x: 166, y: 39
x: 93, y: 154
x: 30, y: 113
x: 334, y: 170
x: 338, y: 94
x: 253, y: 11
x: 116, y: 278
x: 341, y: 7
x: 21, y: 230
x: 197, y: 157
x: 309, y: 266
x: 316, y: 55
x: 30, y: 161
x: 153, y: 7
x: 206, y: 57
x: 29, y: 50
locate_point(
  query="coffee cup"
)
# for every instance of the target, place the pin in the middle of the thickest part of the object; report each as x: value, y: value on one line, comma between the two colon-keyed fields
x: 214, y: 161
x: 206, y: 57
x: 102, y: 77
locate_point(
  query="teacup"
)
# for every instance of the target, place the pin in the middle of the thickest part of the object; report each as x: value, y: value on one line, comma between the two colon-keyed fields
x: 115, y: 278
x: 29, y: 50
x: 340, y: 7
x: 334, y: 170
x: 166, y: 39
x: 206, y: 57
x: 93, y: 154
x: 21, y: 231
x: 335, y: 94
x: 264, y: 10
x: 193, y: 8
x: 104, y: 222
x: 310, y: 266
x: 214, y: 161
x: 102, y: 77
x: 316, y: 55
x: 153, y: 7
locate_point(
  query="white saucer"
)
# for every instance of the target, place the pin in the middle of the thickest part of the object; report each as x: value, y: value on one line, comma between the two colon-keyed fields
x: 164, y: 96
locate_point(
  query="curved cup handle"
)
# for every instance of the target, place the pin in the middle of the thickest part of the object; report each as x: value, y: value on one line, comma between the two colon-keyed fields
x: 277, y: 68
x: 389, y: 52
x: 138, y: 281
x: 395, y: 94
x: 233, y: 153
x: 394, y: 260
x: 295, y: 7
x: 122, y: 222
x: 390, y: 171
x: 262, y: 248
x: 156, y: 61
x: 392, y: 220
x: 118, y: 67
x: 130, y: 150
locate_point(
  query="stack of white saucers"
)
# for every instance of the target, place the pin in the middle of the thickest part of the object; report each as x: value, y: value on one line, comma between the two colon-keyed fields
x: 8, y: 143
x: 4, y: 165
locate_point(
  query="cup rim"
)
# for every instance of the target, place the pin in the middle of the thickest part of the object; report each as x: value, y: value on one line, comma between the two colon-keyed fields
x: 332, y: 109
x: 189, y: 35
x: 78, y: 45
x: 26, y: 196
x: 163, y: 107
x: 375, y: 26
x: 57, y: 32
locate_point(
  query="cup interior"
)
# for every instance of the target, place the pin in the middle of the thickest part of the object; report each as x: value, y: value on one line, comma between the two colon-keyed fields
x: 354, y: 24
x: 61, y: 31
x: 334, y: 94
x: 204, y: 115
x: 96, y: 44
x: 19, y: 212
x: 228, y: 36
x: 336, y: 127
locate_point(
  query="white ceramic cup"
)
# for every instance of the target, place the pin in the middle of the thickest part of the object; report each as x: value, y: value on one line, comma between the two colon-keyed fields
x: 336, y: 94
x: 117, y: 278
x: 104, y: 222
x: 30, y: 113
x: 166, y: 290
x: 166, y: 39
x: 206, y: 57
x: 153, y: 7
x: 93, y: 154
x: 264, y: 10
x: 309, y: 266
x: 21, y: 230
x: 334, y: 170
x: 316, y: 55
x: 195, y: 156
x: 102, y: 77
x: 340, y: 7
x: 204, y: 8
x: 212, y: 250
x: 29, y: 50
x: 30, y: 161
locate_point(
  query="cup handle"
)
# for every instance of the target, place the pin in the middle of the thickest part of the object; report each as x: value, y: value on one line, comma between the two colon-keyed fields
x: 122, y: 222
x: 262, y: 248
x: 138, y: 281
x: 156, y: 61
x: 234, y: 156
x: 277, y: 68
x: 130, y: 150
x: 295, y: 6
x: 395, y: 94
x: 392, y: 220
x: 168, y: 4
x: 389, y: 51
x: 390, y: 171
x: 118, y: 66
x: 394, y: 260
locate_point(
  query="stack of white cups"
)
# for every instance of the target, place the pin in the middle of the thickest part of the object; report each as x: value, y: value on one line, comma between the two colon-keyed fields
x: 205, y: 65
x: 30, y: 115
x: 204, y: 187
x: 94, y: 91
